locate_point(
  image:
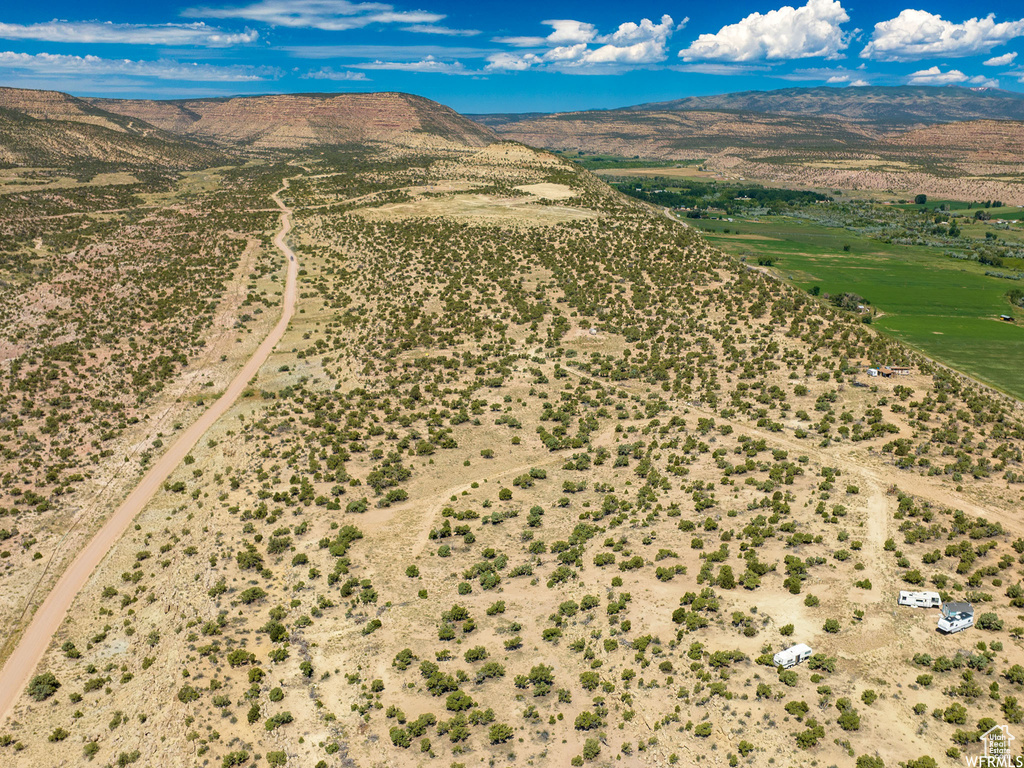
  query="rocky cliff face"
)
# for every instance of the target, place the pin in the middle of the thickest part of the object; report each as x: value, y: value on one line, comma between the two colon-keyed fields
x: 302, y: 120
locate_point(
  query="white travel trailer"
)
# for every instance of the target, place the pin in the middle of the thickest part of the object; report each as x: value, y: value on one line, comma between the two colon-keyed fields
x: 920, y: 599
x: 792, y: 656
x: 956, y: 617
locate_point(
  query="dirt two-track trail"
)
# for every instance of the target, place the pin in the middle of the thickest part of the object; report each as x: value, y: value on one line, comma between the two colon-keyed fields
x: 47, y: 620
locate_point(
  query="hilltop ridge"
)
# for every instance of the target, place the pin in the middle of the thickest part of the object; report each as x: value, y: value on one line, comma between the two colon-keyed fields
x: 52, y: 128
x: 302, y: 120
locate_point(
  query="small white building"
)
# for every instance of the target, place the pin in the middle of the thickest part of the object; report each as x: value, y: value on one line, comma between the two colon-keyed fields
x: 792, y: 656
x: 956, y: 617
x: 872, y: 371
x: 920, y: 599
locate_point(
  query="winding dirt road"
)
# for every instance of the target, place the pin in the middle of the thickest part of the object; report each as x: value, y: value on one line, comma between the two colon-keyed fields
x: 32, y: 646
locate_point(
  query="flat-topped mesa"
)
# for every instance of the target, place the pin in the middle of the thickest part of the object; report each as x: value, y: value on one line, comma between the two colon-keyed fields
x: 303, y: 120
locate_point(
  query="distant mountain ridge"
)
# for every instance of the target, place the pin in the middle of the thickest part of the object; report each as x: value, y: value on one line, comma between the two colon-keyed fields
x: 794, y: 121
x: 886, y: 107
x: 885, y: 104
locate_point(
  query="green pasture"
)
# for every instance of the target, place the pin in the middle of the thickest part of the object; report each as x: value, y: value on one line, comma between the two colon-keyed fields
x: 605, y: 162
x: 947, y: 308
x: 1007, y: 213
x: 957, y: 205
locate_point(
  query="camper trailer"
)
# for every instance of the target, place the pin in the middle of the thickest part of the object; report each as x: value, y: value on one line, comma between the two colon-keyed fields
x: 920, y: 599
x: 792, y: 656
x: 956, y: 617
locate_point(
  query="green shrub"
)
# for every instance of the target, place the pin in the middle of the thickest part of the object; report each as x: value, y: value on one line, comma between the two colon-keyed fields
x: 809, y: 738
x: 188, y: 694
x: 400, y: 737
x: 499, y: 733
x: 43, y: 686
x: 281, y: 718
x: 849, y: 720
x: 251, y: 595
x: 587, y: 721
x: 990, y: 621
x: 797, y: 709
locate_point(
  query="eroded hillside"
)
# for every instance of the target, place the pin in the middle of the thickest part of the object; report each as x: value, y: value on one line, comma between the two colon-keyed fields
x: 539, y: 477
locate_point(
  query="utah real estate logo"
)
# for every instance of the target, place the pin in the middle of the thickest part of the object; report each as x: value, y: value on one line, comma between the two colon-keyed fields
x: 998, y: 747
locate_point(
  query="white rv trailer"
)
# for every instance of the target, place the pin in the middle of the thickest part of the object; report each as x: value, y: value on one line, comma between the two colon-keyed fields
x: 956, y: 617
x: 920, y: 599
x: 792, y: 656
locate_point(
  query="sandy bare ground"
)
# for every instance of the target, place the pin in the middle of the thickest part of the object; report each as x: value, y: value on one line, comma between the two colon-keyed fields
x: 33, y: 644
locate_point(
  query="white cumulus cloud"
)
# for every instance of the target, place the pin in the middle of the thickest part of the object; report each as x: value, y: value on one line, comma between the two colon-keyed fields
x: 919, y: 34
x: 58, y: 31
x: 814, y: 29
x: 512, y: 62
x: 576, y: 46
x: 986, y: 82
x: 1001, y: 61
x: 629, y: 33
x: 569, y: 31
x: 935, y: 76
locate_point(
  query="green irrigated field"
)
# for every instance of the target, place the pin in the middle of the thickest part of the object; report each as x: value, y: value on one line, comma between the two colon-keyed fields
x: 999, y: 212
x: 615, y: 162
x: 947, y: 308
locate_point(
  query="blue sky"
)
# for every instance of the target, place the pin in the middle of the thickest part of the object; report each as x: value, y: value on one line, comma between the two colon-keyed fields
x: 492, y: 57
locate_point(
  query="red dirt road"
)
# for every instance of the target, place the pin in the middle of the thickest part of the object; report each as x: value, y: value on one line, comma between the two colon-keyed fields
x: 32, y: 646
